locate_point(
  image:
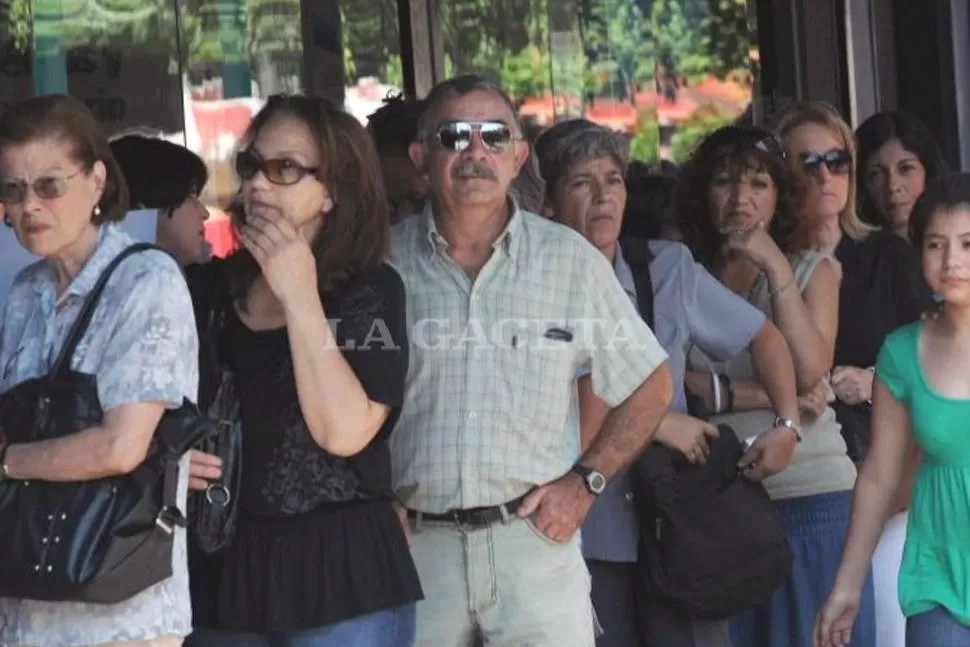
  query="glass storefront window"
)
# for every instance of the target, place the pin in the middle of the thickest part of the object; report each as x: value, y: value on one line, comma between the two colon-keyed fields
x: 195, y: 71
x: 118, y: 56
x: 664, y: 71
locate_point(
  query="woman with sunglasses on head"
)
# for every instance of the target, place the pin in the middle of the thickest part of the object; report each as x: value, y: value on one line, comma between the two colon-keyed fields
x: 736, y: 201
x: 64, y: 195
x: 922, y: 395
x: 314, y: 338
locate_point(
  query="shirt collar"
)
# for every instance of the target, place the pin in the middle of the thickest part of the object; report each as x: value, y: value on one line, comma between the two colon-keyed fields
x: 111, y: 241
x: 624, y: 274
x: 508, y: 240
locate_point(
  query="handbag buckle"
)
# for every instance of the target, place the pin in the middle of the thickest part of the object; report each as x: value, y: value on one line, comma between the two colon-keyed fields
x: 169, y: 518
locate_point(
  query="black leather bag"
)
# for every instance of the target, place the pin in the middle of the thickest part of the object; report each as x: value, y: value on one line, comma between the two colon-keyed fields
x: 212, y: 513
x: 99, y: 541
x: 712, y: 541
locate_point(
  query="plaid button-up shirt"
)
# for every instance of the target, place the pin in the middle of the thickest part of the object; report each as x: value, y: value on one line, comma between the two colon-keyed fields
x: 491, y: 407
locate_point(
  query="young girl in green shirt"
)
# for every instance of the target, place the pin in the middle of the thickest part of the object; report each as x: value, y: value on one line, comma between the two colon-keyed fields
x: 921, y: 394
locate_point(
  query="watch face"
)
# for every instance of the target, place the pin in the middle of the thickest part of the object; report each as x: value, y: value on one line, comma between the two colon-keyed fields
x: 597, y: 482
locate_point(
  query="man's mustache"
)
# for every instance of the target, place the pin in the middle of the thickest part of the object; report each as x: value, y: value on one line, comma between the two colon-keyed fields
x: 474, y: 170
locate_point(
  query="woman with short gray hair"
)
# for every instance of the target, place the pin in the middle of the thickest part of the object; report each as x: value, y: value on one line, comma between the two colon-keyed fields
x: 584, y: 166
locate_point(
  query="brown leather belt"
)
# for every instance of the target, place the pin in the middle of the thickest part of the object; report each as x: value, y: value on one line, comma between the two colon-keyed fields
x: 474, y: 517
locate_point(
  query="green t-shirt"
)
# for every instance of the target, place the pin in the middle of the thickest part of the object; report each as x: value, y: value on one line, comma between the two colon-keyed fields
x: 936, y: 561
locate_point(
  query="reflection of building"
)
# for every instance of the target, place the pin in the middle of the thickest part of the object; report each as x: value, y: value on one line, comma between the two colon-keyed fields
x: 198, y: 79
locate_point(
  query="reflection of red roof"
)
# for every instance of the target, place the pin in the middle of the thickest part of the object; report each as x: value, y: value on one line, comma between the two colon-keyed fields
x: 219, y: 234
x: 221, y: 124
x: 620, y: 115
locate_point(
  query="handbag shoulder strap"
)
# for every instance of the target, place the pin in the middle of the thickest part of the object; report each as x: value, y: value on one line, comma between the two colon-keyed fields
x: 80, y: 325
x: 638, y: 256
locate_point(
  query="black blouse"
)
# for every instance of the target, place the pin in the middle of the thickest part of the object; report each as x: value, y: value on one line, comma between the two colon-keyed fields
x: 882, y: 289
x: 317, y: 541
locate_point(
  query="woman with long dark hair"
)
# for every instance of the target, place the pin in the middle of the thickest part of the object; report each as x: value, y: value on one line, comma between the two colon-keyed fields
x: 897, y: 157
x: 737, y: 201
x: 314, y: 339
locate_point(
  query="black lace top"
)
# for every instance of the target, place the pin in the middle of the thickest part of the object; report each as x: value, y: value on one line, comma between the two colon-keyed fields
x: 317, y: 540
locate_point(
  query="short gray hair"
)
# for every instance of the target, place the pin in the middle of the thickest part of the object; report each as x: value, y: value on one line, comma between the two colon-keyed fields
x: 455, y: 88
x: 577, y: 140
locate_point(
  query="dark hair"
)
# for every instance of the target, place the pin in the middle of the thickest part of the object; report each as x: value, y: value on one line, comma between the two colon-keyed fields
x: 649, y: 202
x: 394, y: 125
x: 914, y: 136
x: 455, y: 88
x: 160, y: 175
x: 736, y: 149
x: 60, y: 116
x: 355, y: 236
x: 573, y: 141
x: 941, y: 194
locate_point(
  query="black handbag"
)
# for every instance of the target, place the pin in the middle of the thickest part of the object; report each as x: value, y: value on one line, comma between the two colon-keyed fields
x: 99, y: 541
x: 711, y: 540
x: 213, y: 512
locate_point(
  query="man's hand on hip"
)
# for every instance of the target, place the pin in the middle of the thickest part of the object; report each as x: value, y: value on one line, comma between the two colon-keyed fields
x: 558, y: 508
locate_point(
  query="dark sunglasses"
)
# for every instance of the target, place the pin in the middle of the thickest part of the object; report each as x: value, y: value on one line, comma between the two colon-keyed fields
x: 50, y: 187
x: 280, y: 171
x: 838, y: 161
x: 456, y: 136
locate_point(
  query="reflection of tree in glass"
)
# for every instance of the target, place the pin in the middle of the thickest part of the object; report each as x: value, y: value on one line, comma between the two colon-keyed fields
x: 505, y: 40
x: 371, y: 41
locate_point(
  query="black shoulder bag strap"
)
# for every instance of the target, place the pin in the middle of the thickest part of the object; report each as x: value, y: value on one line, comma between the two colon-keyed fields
x: 169, y: 516
x: 638, y: 256
x: 80, y: 325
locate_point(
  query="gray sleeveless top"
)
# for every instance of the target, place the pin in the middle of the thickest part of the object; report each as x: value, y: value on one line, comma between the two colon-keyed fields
x: 820, y: 464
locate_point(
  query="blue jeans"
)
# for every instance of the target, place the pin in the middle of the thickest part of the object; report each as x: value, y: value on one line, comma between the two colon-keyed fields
x: 391, y: 628
x: 936, y: 628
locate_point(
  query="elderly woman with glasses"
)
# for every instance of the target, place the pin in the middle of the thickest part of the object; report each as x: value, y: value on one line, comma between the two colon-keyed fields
x: 313, y: 338
x: 63, y: 195
x: 584, y: 166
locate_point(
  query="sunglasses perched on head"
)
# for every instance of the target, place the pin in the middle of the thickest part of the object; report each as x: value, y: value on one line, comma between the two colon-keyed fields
x: 771, y: 144
x: 282, y: 171
x: 49, y: 187
x: 838, y: 161
x: 456, y: 136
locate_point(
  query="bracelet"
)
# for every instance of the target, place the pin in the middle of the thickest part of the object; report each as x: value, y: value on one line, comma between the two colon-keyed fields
x: 774, y: 293
x: 728, y: 387
x: 3, y: 462
x: 716, y: 388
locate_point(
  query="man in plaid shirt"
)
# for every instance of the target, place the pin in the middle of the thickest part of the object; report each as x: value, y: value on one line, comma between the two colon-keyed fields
x: 505, y: 310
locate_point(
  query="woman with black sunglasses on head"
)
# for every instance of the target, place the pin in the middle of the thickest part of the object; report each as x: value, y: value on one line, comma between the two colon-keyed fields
x: 737, y: 203
x: 314, y: 339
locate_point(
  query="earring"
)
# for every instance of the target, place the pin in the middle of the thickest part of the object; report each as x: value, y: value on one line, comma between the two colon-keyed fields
x: 97, y: 210
x: 327, y: 205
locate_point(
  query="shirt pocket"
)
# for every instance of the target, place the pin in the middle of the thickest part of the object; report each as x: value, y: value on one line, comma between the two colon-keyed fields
x: 539, y: 372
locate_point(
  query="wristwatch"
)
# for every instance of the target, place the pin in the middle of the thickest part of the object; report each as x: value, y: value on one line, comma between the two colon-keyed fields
x: 595, y: 481
x: 788, y: 424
